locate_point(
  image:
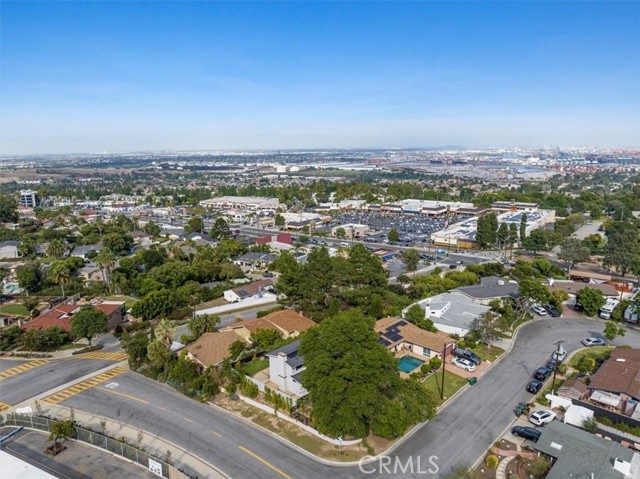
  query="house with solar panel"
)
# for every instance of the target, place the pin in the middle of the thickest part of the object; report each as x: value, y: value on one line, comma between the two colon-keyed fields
x: 246, y: 292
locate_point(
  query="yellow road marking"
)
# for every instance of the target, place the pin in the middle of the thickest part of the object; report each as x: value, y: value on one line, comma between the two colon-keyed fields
x: 122, y: 394
x: 7, y: 373
x: 265, y: 462
x: 216, y: 433
x: 187, y: 419
x: 163, y: 408
x: 115, y: 356
x: 4, y: 406
x: 82, y: 386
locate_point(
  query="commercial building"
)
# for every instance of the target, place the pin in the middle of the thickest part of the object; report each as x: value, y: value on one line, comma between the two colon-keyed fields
x: 351, y: 230
x: 463, y: 234
x: 252, y: 203
x: 29, y: 199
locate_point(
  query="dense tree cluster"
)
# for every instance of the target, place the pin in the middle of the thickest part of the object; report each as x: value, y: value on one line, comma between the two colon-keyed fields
x: 353, y: 382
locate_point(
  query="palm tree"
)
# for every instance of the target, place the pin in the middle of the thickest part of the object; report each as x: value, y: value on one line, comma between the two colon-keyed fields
x: 165, y: 331
x: 119, y: 281
x: 105, y: 259
x: 60, y: 273
x: 56, y: 248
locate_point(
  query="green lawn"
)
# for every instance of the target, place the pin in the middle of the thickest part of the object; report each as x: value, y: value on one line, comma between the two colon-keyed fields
x: 15, y: 309
x: 128, y: 300
x: 488, y: 353
x: 594, y: 352
x: 253, y: 368
x: 452, y: 383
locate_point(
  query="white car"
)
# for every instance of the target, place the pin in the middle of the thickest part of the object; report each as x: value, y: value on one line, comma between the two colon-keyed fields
x: 559, y: 355
x: 464, y: 364
x: 539, y: 310
x: 593, y: 342
x: 542, y: 417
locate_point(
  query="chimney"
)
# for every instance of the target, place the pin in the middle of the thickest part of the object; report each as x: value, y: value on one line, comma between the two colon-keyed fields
x: 513, y: 206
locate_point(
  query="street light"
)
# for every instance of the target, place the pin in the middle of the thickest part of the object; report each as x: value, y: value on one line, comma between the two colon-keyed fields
x: 555, y: 368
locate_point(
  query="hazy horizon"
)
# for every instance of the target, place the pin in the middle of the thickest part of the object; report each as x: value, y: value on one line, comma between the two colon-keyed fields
x: 158, y: 76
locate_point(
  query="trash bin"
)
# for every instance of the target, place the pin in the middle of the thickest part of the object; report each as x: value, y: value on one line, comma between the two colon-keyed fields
x: 473, y: 380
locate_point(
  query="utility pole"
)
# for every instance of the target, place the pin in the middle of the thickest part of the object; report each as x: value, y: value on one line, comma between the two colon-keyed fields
x: 555, y: 369
x: 444, y: 362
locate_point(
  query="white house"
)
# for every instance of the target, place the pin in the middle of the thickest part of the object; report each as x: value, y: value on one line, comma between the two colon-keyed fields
x: 285, y: 369
x: 452, y: 313
x: 9, y: 249
x: 249, y: 291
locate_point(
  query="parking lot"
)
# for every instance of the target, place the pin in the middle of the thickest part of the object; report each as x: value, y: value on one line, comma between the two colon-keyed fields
x: 412, y: 228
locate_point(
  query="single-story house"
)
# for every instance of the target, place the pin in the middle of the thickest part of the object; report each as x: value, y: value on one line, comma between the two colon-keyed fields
x: 452, y: 312
x: 90, y: 272
x: 202, y: 239
x: 397, y: 334
x: 288, y: 322
x: 285, y: 369
x: 277, y: 238
x: 255, y: 260
x: 616, y: 384
x: 9, y: 249
x: 83, y: 251
x: 578, y: 454
x: 257, y: 289
x: 490, y: 288
x: 211, y: 349
x: 573, y: 389
x: 62, y: 314
x: 573, y: 287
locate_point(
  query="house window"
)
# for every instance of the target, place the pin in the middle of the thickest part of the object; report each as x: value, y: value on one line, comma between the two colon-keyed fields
x: 426, y: 352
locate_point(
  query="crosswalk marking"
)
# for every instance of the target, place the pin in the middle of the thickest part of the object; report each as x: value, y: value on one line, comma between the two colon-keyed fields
x: 7, y: 373
x: 82, y: 386
x: 4, y: 406
x: 102, y: 355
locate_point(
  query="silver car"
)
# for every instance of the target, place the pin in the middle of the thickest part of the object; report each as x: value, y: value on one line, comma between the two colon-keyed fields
x: 464, y: 364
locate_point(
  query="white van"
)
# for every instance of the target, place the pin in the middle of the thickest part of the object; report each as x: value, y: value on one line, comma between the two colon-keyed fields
x: 607, y: 309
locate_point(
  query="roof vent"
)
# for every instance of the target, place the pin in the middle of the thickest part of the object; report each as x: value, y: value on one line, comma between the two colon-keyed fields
x: 556, y: 446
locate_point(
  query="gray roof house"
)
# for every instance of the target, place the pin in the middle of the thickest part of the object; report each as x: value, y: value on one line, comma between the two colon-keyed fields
x: 452, y: 312
x: 578, y: 454
x: 9, y: 249
x: 490, y: 288
x: 285, y: 368
x: 255, y: 260
x: 82, y: 251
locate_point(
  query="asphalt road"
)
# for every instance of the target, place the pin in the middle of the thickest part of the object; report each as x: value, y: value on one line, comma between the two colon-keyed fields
x: 38, y: 380
x: 458, y: 436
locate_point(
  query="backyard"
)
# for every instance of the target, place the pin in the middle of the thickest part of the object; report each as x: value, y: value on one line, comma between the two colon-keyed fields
x: 128, y: 300
x: 254, y: 367
x: 14, y: 309
x: 594, y: 353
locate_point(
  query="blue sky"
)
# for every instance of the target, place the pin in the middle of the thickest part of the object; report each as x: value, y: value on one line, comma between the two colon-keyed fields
x: 122, y: 76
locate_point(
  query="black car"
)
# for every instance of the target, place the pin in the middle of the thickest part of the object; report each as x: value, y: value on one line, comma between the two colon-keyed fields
x: 466, y: 354
x: 534, y: 386
x: 578, y: 307
x: 542, y: 374
x: 552, y: 364
x: 552, y: 310
x: 453, y: 266
x: 526, y: 432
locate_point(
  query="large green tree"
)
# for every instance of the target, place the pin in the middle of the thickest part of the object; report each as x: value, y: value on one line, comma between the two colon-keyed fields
x: 29, y: 276
x: 573, y: 251
x: 532, y: 291
x: 411, y: 258
x: 536, y: 241
x: 89, y: 322
x: 8, y: 209
x: 353, y: 381
x: 203, y: 323
x: 591, y: 300
x: 155, y: 304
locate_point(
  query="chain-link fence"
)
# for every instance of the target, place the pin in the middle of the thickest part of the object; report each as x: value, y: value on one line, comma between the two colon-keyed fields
x: 120, y: 448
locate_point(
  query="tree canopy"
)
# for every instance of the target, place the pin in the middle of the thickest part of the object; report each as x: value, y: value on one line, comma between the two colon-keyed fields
x: 89, y: 322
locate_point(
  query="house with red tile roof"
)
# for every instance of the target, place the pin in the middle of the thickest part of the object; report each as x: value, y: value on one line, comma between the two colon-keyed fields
x: 61, y: 315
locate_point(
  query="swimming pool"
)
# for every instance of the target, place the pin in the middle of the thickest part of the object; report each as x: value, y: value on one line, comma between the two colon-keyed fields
x: 409, y: 363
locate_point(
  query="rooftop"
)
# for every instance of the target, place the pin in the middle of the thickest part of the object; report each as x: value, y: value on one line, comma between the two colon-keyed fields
x: 619, y: 374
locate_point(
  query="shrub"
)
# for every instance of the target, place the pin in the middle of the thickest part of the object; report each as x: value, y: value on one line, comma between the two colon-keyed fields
x: 562, y: 369
x: 588, y: 363
x: 462, y: 344
x: 472, y: 344
x: 492, y: 461
x: 425, y: 368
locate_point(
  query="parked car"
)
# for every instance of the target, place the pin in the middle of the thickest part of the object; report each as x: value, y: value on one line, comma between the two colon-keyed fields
x: 593, y: 342
x: 552, y: 310
x: 542, y: 417
x: 539, y: 310
x: 560, y: 355
x: 466, y: 354
x: 268, y: 274
x: 464, y: 364
x: 541, y: 374
x: 526, y: 432
x: 553, y: 363
x: 534, y: 386
x: 578, y: 307
x: 453, y: 266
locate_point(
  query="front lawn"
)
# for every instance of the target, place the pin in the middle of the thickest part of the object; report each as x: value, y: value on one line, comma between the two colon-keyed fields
x: 452, y: 383
x: 488, y: 353
x: 14, y: 309
x: 593, y: 352
x: 254, y: 367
